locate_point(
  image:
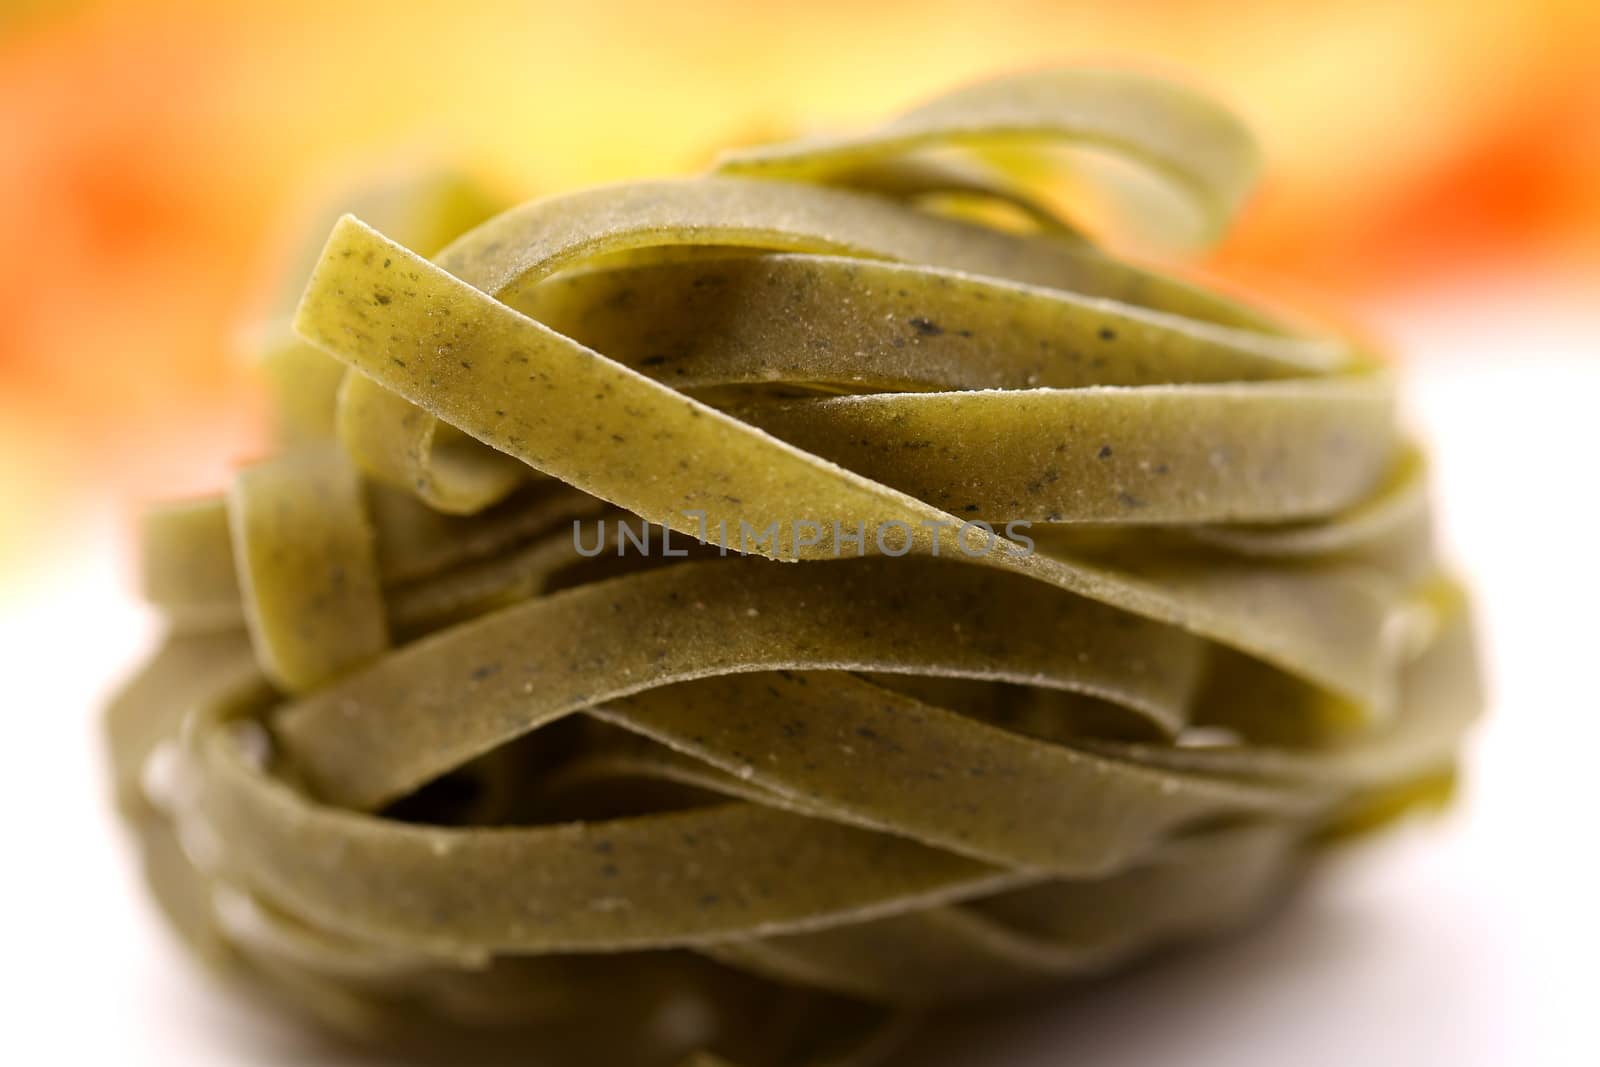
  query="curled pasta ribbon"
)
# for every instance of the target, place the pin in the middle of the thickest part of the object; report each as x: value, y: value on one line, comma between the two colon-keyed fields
x: 1184, y: 139
x: 712, y: 621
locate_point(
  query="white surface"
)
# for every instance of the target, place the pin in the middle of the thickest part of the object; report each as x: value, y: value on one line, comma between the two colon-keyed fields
x: 1469, y: 941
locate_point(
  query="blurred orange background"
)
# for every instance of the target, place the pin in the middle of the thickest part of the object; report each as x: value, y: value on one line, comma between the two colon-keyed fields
x: 154, y: 151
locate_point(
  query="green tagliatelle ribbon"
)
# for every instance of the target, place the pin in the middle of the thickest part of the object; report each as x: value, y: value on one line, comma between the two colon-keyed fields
x: 711, y: 620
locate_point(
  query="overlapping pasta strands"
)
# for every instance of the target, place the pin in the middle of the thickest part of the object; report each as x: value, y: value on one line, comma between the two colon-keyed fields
x: 726, y: 613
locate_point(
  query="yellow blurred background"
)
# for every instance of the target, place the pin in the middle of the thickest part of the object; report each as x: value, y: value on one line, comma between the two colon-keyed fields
x: 152, y: 152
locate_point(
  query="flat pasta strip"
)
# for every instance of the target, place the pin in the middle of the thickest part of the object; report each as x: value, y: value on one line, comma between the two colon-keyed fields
x: 303, y: 547
x: 962, y: 952
x: 426, y: 211
x: 1236, y: 453
x: 701, y: 322
x: 1162, y: 126
x: 380, y: 733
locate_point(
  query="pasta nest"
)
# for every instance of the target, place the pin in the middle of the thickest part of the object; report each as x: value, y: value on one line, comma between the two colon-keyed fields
x: 716, y: 617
